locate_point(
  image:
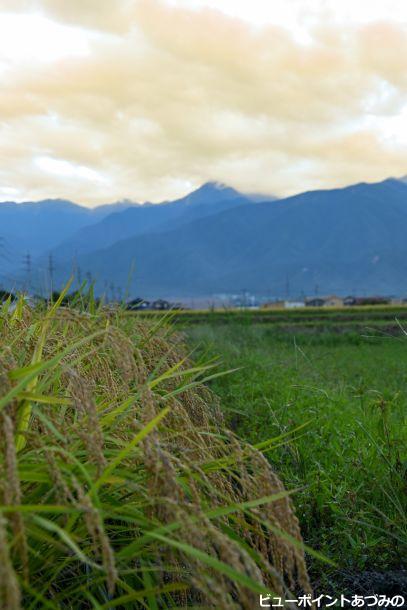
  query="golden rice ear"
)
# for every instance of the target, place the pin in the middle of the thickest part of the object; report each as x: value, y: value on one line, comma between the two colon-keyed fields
x: 102, y: 546
x: 123, y: 350
x: 89, y: 429
x: 12, y: 490
x: 199, y: 430
x: 188, y: 473
x: 10, y: 597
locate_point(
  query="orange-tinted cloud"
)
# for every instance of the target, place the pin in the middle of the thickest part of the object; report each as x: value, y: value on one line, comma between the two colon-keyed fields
x: 169, y: 97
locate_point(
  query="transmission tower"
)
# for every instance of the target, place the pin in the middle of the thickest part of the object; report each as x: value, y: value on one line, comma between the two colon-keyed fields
x: 51, y: 269
x: 27, y: 265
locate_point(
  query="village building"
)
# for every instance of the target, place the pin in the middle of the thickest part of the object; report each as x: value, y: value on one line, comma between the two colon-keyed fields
x: 283, y: 304
x: 315, y: 302
x: 294, y: 304
x: 273, y: 305
x: 333, y: 301
x: 360, y: 301
x: 161, y: 305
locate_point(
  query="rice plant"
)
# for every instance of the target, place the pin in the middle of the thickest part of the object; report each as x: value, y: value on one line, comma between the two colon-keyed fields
x: 120, y: 486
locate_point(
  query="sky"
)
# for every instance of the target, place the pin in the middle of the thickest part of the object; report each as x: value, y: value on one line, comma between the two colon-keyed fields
x: 104, y: 100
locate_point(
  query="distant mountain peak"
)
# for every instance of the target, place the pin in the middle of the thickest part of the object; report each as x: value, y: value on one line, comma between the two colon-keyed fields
x: 215, y: 185
x: 217, y: 240
x: 211, y: 193
x: 343, y: 240
x: 216, y: 188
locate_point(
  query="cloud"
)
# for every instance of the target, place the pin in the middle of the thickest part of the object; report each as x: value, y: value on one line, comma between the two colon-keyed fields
x: 168, y: 97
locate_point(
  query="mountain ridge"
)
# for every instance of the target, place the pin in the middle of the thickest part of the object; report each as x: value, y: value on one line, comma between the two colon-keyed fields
x: 217, y: 240
x: 330, y: 238
x: 208, y: 199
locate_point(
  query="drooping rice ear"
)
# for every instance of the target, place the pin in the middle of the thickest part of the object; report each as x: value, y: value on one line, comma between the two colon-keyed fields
x: 12, y: 490
x: 10, y: 596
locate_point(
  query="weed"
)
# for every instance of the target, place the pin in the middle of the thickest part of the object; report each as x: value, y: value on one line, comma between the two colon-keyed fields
x: 350, y: 460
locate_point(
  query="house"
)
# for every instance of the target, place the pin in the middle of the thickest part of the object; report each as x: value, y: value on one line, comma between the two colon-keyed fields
x: 315, y: 302
x: 373, y: 300
x: 360, y: 301
x: 273, y: 305
x: 137, y: 304
x: 161, y: 305
x: 294, y: 304
x: 333, y: 301
x: 280, y: 304
x: 397, y: 301
x: 5, y: 295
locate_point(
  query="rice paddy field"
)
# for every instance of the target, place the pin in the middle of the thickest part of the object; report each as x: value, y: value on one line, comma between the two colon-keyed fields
x: 335, y: 382
x: 199, y: 460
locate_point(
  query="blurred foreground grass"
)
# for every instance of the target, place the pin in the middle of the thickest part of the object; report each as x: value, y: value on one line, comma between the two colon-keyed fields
x: 120, y: 486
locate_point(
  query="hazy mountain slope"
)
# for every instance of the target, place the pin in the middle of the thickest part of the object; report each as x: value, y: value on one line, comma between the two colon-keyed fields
x: 342, y: 239
x: 209, y: 199
x: 35, y: 227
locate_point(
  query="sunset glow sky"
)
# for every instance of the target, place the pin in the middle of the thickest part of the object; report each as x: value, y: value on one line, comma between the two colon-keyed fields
x: 145, y: 99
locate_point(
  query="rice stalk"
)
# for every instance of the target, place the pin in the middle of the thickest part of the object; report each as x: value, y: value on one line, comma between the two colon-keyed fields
x: 119, y: 482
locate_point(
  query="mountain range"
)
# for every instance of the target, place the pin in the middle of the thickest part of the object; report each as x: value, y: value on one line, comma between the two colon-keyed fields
x: 217, y: 240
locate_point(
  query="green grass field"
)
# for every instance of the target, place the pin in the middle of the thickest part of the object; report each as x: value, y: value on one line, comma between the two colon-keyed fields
x: 377, y: 314
x: 347, y: 385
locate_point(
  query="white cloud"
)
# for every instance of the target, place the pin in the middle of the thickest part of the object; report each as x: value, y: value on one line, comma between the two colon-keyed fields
x: 33, y: 37
x: 65, y: 169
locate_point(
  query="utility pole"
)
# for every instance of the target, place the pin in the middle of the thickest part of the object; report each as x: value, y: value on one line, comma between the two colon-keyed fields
x: 106, y: 291
x: 51, y: 269
x: 73, y: 266
x: 244, y: 298
x: 112, y: 292
x: 287, y: 286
